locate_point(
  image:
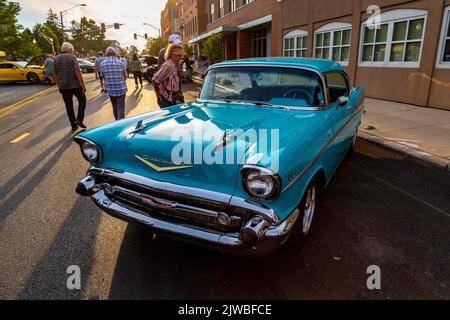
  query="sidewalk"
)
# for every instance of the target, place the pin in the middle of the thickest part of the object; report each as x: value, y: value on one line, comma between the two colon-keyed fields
x: 423, y: 133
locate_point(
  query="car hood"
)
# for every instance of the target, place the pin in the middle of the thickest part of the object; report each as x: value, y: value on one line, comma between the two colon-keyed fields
x: 185, y: 144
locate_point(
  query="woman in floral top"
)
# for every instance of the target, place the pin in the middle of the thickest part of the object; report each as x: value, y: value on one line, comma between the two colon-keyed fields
x: 166, y: 81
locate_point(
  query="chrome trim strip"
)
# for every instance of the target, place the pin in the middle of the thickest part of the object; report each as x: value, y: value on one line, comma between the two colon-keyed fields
x: 321, y: 152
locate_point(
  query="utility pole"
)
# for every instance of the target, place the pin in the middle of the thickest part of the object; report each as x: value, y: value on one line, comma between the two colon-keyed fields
x: 62, y: 27
x: 63, y: 13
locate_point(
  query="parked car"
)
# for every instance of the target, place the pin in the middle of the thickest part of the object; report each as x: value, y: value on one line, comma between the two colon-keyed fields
x: 86, y: 66
x: 15, y: 71
x: 149, y: 72
x: 249, y: 206
x: 143, y: 63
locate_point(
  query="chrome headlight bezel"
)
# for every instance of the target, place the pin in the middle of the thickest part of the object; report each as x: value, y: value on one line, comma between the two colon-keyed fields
x: 253, y: 172
x: 84, y: 145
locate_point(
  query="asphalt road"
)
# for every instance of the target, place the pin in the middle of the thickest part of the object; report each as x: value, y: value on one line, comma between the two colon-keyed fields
x: 380, y: 209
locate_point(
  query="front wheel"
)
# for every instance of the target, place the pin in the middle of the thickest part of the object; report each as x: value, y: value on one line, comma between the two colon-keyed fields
x: 307, y: 209
x: 33, y: 78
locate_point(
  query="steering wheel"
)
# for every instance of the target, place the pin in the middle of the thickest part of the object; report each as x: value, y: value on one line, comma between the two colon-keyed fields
x: 295, y: 93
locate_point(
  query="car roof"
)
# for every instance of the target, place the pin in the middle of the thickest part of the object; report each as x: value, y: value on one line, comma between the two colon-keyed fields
x: 320, y: 65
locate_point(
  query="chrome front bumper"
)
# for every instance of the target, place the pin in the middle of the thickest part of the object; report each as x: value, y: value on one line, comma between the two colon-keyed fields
x: 259, y: 235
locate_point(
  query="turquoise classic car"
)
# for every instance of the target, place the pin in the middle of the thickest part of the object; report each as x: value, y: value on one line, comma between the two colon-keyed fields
x: 239, y: 169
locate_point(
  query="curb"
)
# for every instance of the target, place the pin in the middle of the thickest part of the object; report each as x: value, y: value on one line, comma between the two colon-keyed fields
x: 434, y: 160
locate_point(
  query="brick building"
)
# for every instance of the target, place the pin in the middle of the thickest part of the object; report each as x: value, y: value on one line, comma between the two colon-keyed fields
x: 170, y: 21
x: 399, y: 49
x: 193, y: 18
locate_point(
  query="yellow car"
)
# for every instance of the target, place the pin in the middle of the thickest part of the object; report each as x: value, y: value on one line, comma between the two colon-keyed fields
x: 12, y: 71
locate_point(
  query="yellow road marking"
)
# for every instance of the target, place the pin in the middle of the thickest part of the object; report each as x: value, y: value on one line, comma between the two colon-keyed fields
x: 20, y: 138
x: 28, y: 99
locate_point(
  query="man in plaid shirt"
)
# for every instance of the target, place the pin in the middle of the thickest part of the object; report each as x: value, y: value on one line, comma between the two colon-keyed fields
x: 114, y: 73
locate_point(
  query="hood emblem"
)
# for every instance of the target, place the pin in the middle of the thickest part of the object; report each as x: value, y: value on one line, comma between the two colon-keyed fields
x: 150, y: 163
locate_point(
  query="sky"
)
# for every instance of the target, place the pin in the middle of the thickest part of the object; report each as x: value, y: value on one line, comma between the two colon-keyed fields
x: 133, y: 13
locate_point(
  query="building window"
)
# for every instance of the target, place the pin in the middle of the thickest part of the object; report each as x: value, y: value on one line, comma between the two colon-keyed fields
x: 211, y: 16
x: 332, y: 41
x: 232, y: 5
x: 396, y: 41
x: 444, y: 47
x: 221, y: 9
x: 295, y: 44
x: 259, y: 43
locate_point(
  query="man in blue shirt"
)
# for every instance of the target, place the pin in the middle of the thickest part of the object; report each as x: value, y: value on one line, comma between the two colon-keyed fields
x: 114, y: 74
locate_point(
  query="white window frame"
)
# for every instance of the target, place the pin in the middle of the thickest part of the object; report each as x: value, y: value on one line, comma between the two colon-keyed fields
x: 212, y: 13
x: 233, y: 5
x: 295, y: 34
x: 442, y: 40
x: 331, y: 28
x: 391, y: 17
x: 221, y: 9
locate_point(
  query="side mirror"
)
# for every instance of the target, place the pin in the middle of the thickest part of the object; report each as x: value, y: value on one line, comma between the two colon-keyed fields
x: 342, y: 101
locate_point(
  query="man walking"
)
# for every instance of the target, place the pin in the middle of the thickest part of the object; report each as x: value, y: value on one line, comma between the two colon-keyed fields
x: 70, y: 82
x: 98, y: 62
x: 114, y: 74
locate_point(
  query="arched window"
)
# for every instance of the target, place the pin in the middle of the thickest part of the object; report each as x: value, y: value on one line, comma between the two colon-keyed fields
x: 332, y: 41
x: 393, y: 39
x: 295, y: 44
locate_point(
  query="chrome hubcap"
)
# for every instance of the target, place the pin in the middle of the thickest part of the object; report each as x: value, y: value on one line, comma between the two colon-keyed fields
x: 355, y: 138
x: 310, y: 206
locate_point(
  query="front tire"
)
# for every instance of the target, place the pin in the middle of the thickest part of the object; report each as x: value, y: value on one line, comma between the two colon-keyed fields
x: 305, y: 221
x: 33, y: 78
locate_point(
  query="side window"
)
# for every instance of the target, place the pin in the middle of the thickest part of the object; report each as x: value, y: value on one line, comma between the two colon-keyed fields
x: 337, y: 85
x: 7, y: 66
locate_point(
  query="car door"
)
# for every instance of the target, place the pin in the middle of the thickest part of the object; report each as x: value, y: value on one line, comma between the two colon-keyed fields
x: 9, y: 72
x: 341, y: 103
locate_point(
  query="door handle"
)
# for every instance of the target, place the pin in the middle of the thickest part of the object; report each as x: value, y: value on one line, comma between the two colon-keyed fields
x: 349, y: 107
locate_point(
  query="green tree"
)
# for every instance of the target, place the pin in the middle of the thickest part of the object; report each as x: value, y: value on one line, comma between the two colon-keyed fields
x: 212, y: 48
x: 41, y: 30
x: 188, y: 50
x: 54, y: 23
x: 87, y: 35
x: 28, y: 48
x: 9, y: 29
x: 154, y: 45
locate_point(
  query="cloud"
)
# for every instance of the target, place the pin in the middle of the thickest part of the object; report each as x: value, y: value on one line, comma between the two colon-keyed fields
x: 130, y: 12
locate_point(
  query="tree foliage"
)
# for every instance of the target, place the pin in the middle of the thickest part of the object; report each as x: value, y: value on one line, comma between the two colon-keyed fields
x: 154, y: 45
x: 87, y: 37
x: 188, y: 50
x: 212, y: 48
x: 10, y: 41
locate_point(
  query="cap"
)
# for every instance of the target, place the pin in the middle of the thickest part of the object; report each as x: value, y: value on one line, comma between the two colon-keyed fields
x: 174, y: 38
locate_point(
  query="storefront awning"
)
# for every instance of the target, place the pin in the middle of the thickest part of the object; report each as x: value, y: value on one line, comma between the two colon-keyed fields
x: 221, y: 29
x: 255, y: 23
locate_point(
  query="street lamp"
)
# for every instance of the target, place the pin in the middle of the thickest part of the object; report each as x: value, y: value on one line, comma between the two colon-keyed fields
x: 63, y: 13
x: 152, y: 26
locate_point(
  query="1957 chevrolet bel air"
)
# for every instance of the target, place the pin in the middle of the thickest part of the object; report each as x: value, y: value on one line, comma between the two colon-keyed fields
x: 239, y: 169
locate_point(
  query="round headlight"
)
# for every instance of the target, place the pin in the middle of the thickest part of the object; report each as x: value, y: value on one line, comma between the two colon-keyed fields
x: 90, y: 151
x: 261, y: 183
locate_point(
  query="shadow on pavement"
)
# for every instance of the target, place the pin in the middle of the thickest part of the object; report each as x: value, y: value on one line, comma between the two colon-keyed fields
x: 13, y: 201
x: 353, y: 229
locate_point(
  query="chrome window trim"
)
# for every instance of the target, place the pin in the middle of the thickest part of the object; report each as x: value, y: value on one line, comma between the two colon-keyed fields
x: 324, y: 106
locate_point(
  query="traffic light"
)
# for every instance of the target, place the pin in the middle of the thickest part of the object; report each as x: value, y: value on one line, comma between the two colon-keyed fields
x: 103, y: 27
x: 145, y: 36
x: 135, y: 36
x: 117, y: 26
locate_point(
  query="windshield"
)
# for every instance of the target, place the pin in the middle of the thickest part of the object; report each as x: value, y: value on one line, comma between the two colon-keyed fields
x: 21, y: 64
x: 82, y: 61
x: 271, y: 85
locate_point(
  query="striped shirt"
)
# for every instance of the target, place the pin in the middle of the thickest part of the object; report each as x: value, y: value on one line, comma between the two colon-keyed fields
x: 114, y: 74
x: 168, y: 79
